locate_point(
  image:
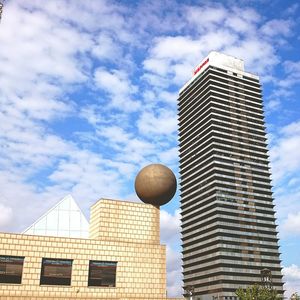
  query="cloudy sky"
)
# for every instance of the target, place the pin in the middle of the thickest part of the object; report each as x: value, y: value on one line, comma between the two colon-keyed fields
x: 88, y: 94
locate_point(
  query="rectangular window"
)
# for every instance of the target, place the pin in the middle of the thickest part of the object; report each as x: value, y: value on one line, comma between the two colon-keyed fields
x: 11, y: 268
x: 102, y: 273
x: 56, y: 271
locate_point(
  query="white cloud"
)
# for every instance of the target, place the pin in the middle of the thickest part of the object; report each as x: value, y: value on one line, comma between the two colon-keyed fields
x: 137, y: 151
x: 175, y: 48
x: 44, y: 53
x: 287, y: 201
x: 168, y: 97
x: 34, y: 46
x: 239, y: 24
x: 292, y: 69
x: 127, y: 147
x: 273, y: 105
x: 292, y: 9
x: 292, y: 279
x: 277, y: 27
x: 156, y: 81
x: 291, y: 225
x: 117, y: 84
x: 291, y: 129
x: 285, y: 162
x: 158, y: 66
x: 174, y: 273
x: 156, y: 16
x: 115, y: 135
x: 294, y: 182
x: 85, y: 15
x: 175, y: 57
x: 169, y: 156
x: 205, y: 17
x: 242, y: 34
x: 67, y: 64
x: 106, y: 48
x: 169, y: 226
x: 284, y: 154
x: 92, y: 114
x: 44, y: 57
x: 171, y: 58
x: 113, y: 81
x: 30, y: 148
x: 6, y: 215
x: 259, y: 55
x: 25, y: 201
x: 86, y: 175
x: 170, y: 235
x: 83, y: 174
x: 218, y: 40
x: 162, y: 123
x: 170, y: 52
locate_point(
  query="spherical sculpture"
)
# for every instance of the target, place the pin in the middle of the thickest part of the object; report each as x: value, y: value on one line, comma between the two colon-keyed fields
x: 155, y: 184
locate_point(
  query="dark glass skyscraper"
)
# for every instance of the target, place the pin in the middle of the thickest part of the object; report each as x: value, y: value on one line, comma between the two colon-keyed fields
x: 228, y: 226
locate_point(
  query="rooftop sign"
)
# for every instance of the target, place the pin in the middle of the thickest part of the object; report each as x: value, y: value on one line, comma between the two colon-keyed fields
x: 198, y: 68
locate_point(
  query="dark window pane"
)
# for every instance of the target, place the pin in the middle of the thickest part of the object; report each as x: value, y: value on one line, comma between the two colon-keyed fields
x: 11, y: 268
x: 56, y: 271
x: 102, y: 273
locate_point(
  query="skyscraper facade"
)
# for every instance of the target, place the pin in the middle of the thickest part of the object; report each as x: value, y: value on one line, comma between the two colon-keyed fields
x: 229, y: 233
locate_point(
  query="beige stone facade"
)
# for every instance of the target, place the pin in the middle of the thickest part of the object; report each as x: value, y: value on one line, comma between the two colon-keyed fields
x: 123, y: 232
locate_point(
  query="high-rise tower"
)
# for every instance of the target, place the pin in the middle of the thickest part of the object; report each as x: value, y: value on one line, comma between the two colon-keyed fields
x: 228, y: 226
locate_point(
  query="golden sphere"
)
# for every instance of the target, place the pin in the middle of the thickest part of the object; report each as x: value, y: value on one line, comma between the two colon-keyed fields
x: 155, y: 184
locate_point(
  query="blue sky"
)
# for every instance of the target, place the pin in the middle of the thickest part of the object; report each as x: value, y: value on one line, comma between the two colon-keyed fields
x: 88, y: 97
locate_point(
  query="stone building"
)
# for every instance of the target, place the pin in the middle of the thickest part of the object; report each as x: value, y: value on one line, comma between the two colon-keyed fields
x: 121, y: 259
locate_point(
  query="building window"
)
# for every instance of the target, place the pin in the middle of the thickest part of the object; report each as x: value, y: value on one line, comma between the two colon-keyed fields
x: 11, y: 268
x: 102, y: 273
x: 56, y: 271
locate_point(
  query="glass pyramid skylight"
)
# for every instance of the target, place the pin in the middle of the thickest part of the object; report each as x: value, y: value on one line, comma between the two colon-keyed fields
x: 65, y: 219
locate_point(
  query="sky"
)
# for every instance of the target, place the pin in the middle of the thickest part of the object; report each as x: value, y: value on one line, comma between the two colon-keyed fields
x: 88, y: 94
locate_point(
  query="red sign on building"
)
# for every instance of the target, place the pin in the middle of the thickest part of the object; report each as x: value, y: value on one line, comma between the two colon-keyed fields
x: 201, y: 66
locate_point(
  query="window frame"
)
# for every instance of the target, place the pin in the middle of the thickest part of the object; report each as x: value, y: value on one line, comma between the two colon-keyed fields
x: 97, y: 282
x: 14, y: 279
x: 56, y: 280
